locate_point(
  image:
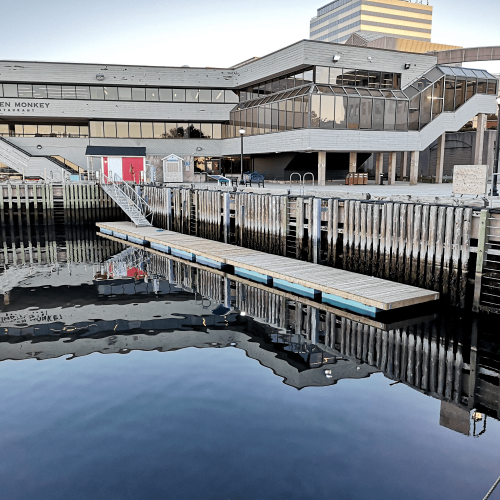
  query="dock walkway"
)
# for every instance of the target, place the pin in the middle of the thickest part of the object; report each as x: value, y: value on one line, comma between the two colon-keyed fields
x: 330, y: 285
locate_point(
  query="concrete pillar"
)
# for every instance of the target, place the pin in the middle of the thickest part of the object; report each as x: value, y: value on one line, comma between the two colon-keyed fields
x: 478, y: 149
x: 392, y: 168
x: 414, y: 167
x: 404, y: 160
x: 379, y: 167
x: 352, y: 162
x: 490, y: 150
x: 440, y: 159
x: 321, y: 168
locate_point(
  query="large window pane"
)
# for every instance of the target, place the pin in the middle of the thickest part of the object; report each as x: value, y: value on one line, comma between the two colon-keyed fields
x: 282, y: 115
x: 217, y: 96
x: 10, y: 89
x: 349, y: 77
x: 267, y: 119
x: 230, y: 96
x: 315, y: 110
x: 58, y: 130
x: 110, y: 93
x: 96, y: 129
x: 340, y: 111
x: 387, y: 81
x: 217, y: 131
x: 54, y: 92
x: 122, y: 130
x: 110, y: 129
x: 414, y: 113
x: 460, y: 92
x: 97, y: 93
x: 471, y: 88
x: 290, y: 82
x: 492, y: 87
x: 124, y: 93
x: 402, y: 115
x: 206, y: 130
x: 481, y: 87
x: 353, y: 113
x: 165, y: 95
x: 289, y: 114
x: 425, y: 107
x: 147, y: 130
x: 390, y: 114
x: 84, y: 131
x: 255, y: 121
x: 439, y: 88
x: 274, y: 117
x: 282, y: 84
x: 138, y: 94
x: 151, y: 94
x: 437, y: 107
x: 335, y: 76
x: 179, y: 95
x: 327, y: 111
x: 82, y: 92
x: 25, y: 90
x: 192, y: 95
x: 378, y: 114
x: 322, y: 74
x: 182, y: 130
x: 362, y: 78
x: 18, y: 130
x: 73, y: 131
x: 134, y: 130
x: 308, y: 76
x: 44, y: 130
x: 30, y: 131
x: 170, y: 130
x: 1, y: 95
x: 365, y: 121
x: 449, y: 94
x: 39, y: 91
x: 298, y: 114
x: 374, y: 78
x: 68, y: 92
x: 397, y: 81
x: 205, y: 95
x: 275, y: 85
x: 159, y: 130
x: 194, y: 130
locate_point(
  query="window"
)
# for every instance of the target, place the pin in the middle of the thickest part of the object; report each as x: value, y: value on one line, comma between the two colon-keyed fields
x: 425, y: 107
x: 322, y: 74
x: 402, y: 115
x: 182, y: 130
x: 82, y: 92
x: 378, y: 114
x: 335, y: 76
x: 297, y: 115
x: 315, y: 110
x: 206, y: 130
x: 159, y: 130
x: 134, y: 130
x: 230, y: 96
x: 192, y: 95
x: 274, y: 117
x: 361, y: 78
x: 340, y: 111
x: 327, y: 111
x: 374, y: 78
x: 217, y: 96
x: 492, y: 88
x: 353, y: 113
x: 165, y: 95
x: 122, y: 130
x: 151, y: 94
x: 387, y: 81
x: 205, y: 95
x: 179, y: 95
x: 84, y: 131
x: 449, y: 94
x: 349, y: 77
x: 365, y: 121
x: 170, y: 130
x: 25, y: 90
x: 460, y: 92
x: 97, y: 93
x: 110, y: 129
x: 138, y: 94
x: 110, y: 93
x: 390, y: 114
x: 39, y: 91
x: 146, y: 130
x: 30, y: 131
x: 414, y: 113
x: 73, y: 131
x: 124, y: 93
x: 96, y: 129
x: 194, y: 130
x: 54, y: 91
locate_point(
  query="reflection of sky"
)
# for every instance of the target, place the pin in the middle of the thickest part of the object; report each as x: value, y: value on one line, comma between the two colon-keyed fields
x: 214, y: 424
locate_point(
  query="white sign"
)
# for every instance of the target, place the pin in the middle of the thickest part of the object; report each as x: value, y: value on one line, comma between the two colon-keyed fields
x: 470, y: 179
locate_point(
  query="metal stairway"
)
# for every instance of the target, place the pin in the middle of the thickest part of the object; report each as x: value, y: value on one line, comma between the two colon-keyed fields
x: 128, y: 199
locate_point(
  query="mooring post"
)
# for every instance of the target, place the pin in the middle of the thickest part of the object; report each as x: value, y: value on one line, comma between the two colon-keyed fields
x: 226, y: 216
x: 227, y: 292
x: 168, y: 203
x: 481, y: 249
x: 315, y: 229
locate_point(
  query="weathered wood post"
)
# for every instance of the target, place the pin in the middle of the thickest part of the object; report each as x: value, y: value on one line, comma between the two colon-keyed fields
x: 315, y: 229
x: 226, y: 204
x: 481, y: 254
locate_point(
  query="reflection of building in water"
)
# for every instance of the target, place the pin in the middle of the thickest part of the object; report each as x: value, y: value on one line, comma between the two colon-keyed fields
x: 307, y: 343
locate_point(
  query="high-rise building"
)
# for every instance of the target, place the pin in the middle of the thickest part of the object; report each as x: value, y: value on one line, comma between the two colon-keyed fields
x: 338, y: 20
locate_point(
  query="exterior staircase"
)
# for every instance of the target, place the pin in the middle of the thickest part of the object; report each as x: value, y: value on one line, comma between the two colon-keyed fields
x: 128, y: 199
x: 44, y: 167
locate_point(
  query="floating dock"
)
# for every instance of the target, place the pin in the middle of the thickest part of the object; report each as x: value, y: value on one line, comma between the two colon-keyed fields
x: 345, y: 289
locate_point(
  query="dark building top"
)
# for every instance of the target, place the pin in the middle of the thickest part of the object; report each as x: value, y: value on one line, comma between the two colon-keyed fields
x: 114, y: 151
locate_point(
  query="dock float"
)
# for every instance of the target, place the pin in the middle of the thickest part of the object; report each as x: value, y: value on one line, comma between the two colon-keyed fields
x: 364, y: 294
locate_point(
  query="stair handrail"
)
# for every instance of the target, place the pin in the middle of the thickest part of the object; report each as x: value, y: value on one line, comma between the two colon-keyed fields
x: 133, y: 196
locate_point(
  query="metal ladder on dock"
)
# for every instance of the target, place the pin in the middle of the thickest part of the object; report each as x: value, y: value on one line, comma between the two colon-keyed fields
x: 291, y: 225
x: 128, y: 199
x: 487, y: 280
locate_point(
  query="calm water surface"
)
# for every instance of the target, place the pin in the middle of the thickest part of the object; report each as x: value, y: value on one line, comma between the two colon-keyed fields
x: 119, y: 380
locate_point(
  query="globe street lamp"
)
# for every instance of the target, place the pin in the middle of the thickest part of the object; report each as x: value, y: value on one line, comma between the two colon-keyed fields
x: 242, y: 133
x: 494, y: 180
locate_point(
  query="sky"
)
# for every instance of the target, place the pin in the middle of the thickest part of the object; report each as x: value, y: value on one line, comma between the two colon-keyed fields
x: 212, y: 33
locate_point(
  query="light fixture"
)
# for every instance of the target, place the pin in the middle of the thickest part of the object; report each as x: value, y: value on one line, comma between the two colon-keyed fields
x: 99, y: 76
x: 39, y: 146
x: 407, y: 65
x: 498, y: 100
x: 242, y: 131
x: 198, y: 148
x: 369, y: 58
x: 336, y: 58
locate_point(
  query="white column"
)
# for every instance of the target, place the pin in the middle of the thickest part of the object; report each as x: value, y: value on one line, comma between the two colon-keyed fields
x: 478, y: 150
x: 321, y: 168
x: 414, y: 167
x: 392, y: 168
x: 440, y: 159
x: 352, y: 162
x: 379, y: 167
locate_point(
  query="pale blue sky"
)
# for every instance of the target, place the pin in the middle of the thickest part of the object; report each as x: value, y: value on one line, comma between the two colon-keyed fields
x: 216, y: 33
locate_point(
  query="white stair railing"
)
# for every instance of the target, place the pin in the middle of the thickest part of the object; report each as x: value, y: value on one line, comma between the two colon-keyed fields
x: 131, y: 202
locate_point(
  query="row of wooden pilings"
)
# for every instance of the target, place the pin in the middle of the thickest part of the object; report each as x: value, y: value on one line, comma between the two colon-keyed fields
x: 419, y: 244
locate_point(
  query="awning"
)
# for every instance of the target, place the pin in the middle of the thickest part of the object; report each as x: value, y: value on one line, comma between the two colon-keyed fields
x: 114, y: 151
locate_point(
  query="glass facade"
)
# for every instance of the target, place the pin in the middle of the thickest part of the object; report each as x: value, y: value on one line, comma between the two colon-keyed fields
x: 112, y: 93
x: 39, y: 130
x: 156, y: 130
x: 362, y: 101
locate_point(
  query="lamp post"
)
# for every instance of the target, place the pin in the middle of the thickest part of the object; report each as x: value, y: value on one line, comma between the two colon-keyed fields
x: 494, y: 180
x: 242, y: 133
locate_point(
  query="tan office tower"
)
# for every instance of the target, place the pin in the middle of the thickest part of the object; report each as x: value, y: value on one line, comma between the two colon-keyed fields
x: 338, y: 20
